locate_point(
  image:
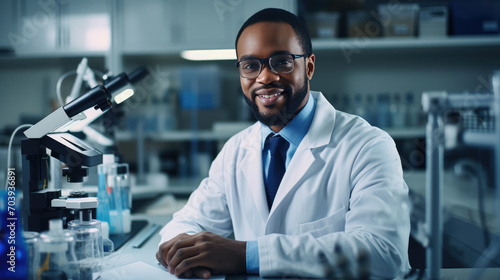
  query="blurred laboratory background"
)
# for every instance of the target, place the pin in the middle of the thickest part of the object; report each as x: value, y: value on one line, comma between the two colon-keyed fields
x: 374, y: 58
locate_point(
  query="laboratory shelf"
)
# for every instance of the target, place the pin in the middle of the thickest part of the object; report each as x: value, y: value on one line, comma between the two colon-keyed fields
x: 212, y: 135
x: 187, y: 135
x: 406, y: 132
x: 221, y: 131
x: 405, y: 43
x: 52, y: 54
x: 175, y: 135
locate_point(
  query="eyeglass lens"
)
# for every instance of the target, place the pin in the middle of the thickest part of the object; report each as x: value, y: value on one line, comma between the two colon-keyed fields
x: 280, y: 64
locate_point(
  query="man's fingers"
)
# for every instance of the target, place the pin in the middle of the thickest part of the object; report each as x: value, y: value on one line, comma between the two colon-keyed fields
x: 165, y: 247
x: 188, y: 274
x: 181, y: 255
x: 201, y: 272
x: 178, y: 245
x: 188, y: 264
x: 160, y: 259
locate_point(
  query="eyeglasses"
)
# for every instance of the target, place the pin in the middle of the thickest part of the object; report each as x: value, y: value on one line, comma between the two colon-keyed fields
x: 279, y: 64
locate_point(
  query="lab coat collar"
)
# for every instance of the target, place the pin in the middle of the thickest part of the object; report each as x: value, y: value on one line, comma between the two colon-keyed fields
x: 323, y: 123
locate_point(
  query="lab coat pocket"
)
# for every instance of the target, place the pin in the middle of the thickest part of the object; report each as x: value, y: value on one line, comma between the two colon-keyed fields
x: 332, y: 223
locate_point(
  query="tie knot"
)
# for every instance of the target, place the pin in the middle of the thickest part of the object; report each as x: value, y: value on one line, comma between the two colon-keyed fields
x: 275, y: 143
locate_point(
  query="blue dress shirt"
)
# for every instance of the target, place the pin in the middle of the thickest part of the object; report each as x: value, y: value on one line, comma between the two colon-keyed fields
x: 293, y: 132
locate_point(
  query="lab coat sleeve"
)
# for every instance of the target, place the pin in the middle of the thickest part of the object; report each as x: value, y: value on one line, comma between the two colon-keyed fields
x: 377, y: 223
x: 206, y: 209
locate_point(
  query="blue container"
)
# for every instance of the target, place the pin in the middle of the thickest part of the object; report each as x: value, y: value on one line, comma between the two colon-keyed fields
x: 471, y: 17
x: 200, y: 87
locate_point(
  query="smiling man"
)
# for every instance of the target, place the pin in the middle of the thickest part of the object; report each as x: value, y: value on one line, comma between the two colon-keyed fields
x: 305, y: 188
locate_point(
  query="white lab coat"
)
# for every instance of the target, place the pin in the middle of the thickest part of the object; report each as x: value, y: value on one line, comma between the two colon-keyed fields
x: 344, y: 186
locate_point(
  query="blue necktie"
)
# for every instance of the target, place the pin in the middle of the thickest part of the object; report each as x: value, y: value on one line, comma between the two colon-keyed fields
x: 276, y: 168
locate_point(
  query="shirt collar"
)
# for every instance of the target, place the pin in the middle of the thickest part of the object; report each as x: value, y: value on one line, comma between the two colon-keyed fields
x: 295, y: 130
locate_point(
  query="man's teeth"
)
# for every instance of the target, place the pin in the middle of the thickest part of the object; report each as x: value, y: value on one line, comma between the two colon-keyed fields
x: 270, y: 95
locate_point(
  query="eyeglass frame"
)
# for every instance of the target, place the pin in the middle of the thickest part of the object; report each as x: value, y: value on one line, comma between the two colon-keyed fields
x: 266, y: 61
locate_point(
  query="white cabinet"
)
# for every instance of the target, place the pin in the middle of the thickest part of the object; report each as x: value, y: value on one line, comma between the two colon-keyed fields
x: 248, y: 8
x: 214, y: 24
x: 168, y: 26
x: 58, y: 27
x: 38, y: 27
x: 86, y: 26
x: 207, y: 24
x: 147, y: 25
x: 8, y: 28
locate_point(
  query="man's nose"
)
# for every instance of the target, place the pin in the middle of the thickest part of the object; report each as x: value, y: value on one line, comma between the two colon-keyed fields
x: 267, y: 76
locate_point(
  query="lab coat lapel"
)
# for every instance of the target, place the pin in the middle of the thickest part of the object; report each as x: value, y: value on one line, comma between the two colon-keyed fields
x: 251, y: 167
x: 296, y: 170
x: 319, y: 135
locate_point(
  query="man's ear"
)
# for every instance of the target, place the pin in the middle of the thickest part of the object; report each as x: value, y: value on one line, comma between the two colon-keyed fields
x: 310, y: 66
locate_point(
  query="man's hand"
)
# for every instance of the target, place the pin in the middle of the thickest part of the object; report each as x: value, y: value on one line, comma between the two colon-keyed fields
x: 201, y: 254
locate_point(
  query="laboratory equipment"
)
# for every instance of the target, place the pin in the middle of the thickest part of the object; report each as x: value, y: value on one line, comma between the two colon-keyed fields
x: 102, y: 195
x: 88, y: 243
x: 57, y: 259
x: 51, y: 133
x: 31, y: 239
x: 436, y: 104
x: 114, y: 189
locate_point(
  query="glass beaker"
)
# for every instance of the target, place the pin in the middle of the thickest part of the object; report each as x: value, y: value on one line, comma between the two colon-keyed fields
x: 88, y: 243
x: 57, y: 259
x: 31, y: 239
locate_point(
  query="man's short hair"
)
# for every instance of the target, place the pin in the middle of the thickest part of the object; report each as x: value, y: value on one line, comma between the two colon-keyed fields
x: 280, y: 15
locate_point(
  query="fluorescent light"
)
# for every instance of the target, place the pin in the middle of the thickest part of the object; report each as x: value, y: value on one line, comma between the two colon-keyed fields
x: 222, y: 54
x: 124, y: 95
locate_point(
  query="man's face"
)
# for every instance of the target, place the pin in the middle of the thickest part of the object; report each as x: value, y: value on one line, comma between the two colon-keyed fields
x: 274, y: 98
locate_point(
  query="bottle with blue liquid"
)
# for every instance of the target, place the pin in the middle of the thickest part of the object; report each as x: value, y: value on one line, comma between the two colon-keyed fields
x: 102, y: 195
x: 114, y: 196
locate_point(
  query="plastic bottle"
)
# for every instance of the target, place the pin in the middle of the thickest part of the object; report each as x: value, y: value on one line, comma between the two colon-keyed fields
x: 120, y: 198
x: 346, y: 104
x: 398, y: 111
x: 383, y: 118
x: 412, y: 112
x: 371, y: 110
x: 359, y: 106
x: 102, y: 195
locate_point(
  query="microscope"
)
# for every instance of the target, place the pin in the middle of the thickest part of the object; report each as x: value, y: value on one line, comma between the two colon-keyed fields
x: 41, y: 204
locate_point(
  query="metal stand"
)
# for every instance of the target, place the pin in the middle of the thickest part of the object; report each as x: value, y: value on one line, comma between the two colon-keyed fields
x: 433, y: 103
x: 36, y: 206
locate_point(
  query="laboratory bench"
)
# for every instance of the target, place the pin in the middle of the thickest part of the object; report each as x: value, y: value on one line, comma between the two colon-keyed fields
x: 129, y: 255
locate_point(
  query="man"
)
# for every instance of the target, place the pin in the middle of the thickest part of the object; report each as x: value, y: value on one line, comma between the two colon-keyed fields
x: 342, y: 194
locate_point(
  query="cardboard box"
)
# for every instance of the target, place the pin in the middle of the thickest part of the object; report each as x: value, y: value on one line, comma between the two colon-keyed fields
x: 433, y: 21
x: 398, y: 20
x: 323, y: 24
